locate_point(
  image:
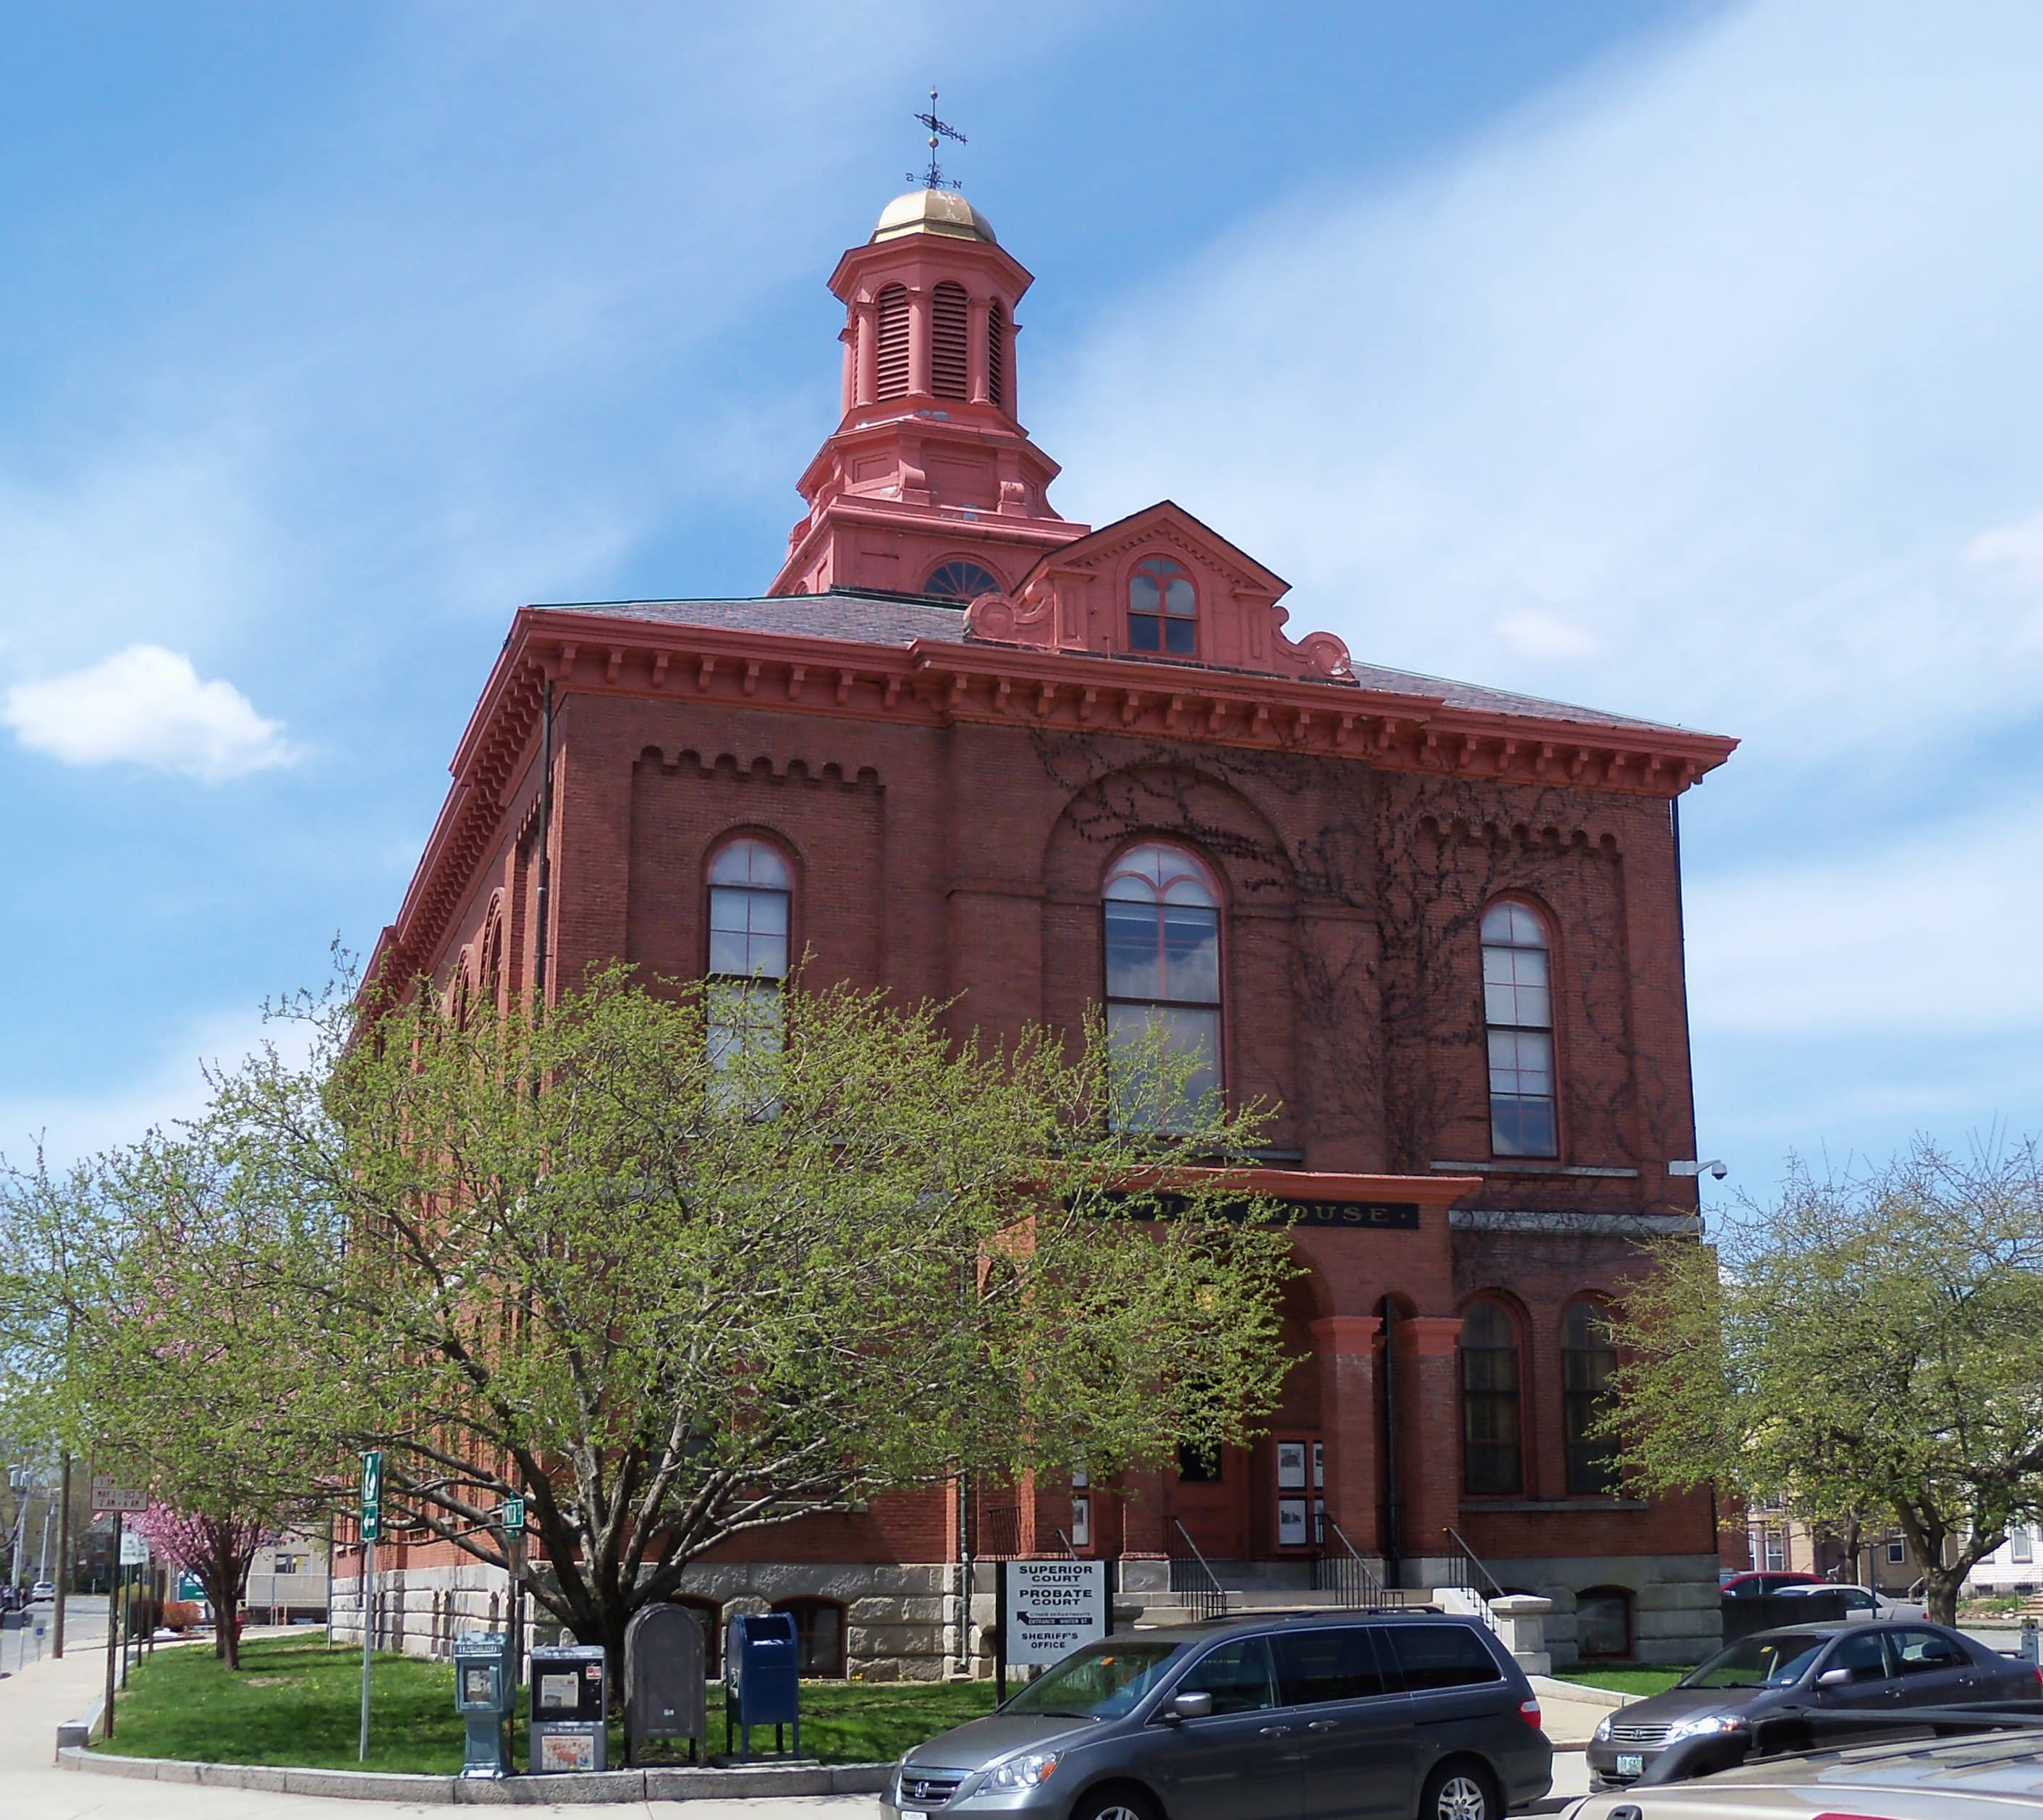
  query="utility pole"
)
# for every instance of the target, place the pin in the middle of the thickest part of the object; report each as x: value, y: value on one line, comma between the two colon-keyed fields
x: 64, y: 1561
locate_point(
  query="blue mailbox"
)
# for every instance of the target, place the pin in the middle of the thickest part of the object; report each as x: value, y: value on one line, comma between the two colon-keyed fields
x: 762, y: 1679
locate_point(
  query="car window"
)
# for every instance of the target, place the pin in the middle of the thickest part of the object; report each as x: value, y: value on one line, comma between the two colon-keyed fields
x: 1441, y: 1656
x: 1865, y: 1655
x: 1313, y: 1666
x: 1102, y: 1680
x: 1776, y: 1660
x: 1920, y: 1652
x: 1240, y: 1675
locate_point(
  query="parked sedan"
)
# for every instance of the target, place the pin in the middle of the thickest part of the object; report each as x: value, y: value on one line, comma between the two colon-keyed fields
x: 1859, y: 1601
x: 1814, y: 1667
x: 1754, y: 1584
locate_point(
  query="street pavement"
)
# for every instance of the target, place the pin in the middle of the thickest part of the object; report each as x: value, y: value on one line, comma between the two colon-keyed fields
x: 34, y: 1701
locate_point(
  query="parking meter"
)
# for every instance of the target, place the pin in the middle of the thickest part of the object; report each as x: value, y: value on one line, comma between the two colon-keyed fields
x: 2032, y: 1643
x: 762, y: 1682
x: 665, y: 1691
x: 482, y: 1697
x: 570, y: 1706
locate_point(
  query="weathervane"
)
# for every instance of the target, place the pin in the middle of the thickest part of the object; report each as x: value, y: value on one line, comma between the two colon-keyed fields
x: 933, y: 179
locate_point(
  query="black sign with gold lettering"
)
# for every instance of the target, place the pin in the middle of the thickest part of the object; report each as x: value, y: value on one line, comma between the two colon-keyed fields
x: 1352, y: 1216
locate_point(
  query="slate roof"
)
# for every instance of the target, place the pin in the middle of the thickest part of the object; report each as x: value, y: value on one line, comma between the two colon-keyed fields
x: 872, y: 618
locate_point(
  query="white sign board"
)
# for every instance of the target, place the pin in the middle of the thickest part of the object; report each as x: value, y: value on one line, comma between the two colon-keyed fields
x: 110, y: 1494
x: 1048, y: 1608
x: 134, y: 1550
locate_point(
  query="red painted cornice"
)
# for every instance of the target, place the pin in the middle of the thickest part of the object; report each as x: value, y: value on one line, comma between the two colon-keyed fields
x: 934, y: 683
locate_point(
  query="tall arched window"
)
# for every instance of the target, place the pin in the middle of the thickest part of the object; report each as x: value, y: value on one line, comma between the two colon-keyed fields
x: 1518, y: 1006
x: 1163, y: 609
x: 950, y: 336
x: 892, y: 352
x: 751, y: 893
x: 996, y: 354
x: 1162, y: 973
x: 1587, y: 1358
x: 1491, y: 1462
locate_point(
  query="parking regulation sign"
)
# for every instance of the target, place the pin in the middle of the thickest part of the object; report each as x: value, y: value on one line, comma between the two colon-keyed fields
x: 1048, y: 1608
x: 372, y: 1495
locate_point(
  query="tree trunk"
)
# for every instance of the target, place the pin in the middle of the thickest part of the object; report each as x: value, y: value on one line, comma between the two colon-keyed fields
x: 1940, y: 1589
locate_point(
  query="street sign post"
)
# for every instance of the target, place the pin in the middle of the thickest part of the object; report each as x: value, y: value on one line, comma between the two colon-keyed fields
x: 1048, y: 1609
x: 372, y: 1528
x: 513, y: 1516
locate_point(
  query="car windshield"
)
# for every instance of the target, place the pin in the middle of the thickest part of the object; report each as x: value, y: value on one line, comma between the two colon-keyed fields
x: 1101, y: 1681
x: 1771, y: 1662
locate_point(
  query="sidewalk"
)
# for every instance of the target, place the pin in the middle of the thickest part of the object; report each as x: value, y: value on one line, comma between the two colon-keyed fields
x: 33, y: 1703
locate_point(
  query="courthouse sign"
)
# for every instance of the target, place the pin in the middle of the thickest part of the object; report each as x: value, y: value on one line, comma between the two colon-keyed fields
x: 1048, y: 1608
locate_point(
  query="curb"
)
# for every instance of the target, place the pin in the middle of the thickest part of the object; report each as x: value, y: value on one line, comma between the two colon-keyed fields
x: 75, y: 1734
x: 738, y: 1781
x: 1548, y: 1688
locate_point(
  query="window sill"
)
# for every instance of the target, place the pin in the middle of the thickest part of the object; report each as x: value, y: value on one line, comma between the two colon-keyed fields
x: 1520, y: 1167
x: 1550, y: 1505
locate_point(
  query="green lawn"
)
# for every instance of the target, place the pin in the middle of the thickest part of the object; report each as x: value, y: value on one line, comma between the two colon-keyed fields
x: 1623, y: 1680
x: 299, y: 1702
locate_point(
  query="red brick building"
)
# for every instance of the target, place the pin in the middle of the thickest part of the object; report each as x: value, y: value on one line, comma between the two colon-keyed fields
x: 963, y: 748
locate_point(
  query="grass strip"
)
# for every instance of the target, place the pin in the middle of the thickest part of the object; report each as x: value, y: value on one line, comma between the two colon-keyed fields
x: 1641, y: 1681
x: 298, y: 1704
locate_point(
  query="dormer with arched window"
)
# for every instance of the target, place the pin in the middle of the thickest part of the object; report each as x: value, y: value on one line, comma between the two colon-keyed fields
x: 1163, y: 608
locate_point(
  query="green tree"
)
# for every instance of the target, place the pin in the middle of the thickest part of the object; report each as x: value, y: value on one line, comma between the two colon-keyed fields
x: 142, y: 1329
x: 1867, y: 1345
x: 677, y: 1266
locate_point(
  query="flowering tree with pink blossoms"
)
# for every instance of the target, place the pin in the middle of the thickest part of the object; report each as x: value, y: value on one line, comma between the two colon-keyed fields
x: 219, y: 1549
x: 140, y: 1325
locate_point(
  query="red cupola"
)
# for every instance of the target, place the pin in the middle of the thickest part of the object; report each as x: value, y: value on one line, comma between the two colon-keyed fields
x: 928, y: 484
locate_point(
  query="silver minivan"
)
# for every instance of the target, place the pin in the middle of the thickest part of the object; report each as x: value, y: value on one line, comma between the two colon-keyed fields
x: 1330, y: 1716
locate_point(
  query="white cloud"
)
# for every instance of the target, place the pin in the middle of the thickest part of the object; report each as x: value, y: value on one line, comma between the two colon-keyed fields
x: 1711, y: 359
x: 1931, y: 934
x: 2013, y: 550
x: 146, y: 706
x: 1542, y: 635
x: 158, y: 1092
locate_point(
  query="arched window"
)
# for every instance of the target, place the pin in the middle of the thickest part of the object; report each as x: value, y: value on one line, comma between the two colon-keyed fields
x: 892, y: 351
x: 818, y: 1636
x: 996, y: 355
x: 751, y: 893
x: 1163, y: 609
x: 1518, y: 1006
x: 1492, y: 1463
x: 950, y: 334
x: 959, y: 580
x: 1163, y: 974
x: 1587, y: 1358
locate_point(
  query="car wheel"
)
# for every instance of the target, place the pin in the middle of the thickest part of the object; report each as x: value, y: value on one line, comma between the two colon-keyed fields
x: 1116, y: 1804
x: 1460, y: 1791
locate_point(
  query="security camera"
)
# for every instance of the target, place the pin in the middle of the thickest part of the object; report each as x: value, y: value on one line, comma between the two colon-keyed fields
x: 1718, y: 1171
x: 1691, y: 1167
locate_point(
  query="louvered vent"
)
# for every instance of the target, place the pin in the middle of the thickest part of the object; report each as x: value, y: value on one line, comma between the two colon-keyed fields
x: 996, y: 350
x: 894, y: 342
x: 948, y: 335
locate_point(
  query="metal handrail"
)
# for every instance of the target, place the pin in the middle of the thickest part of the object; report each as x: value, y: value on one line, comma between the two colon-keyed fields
x: 1209, y: 1600
x: 1350, y: 1575
x: 1066, y: 1541
x: 1470, y: 1565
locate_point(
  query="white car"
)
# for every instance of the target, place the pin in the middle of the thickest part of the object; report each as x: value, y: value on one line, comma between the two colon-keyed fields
x: 1859, y: 1602
x: 41, y: 1590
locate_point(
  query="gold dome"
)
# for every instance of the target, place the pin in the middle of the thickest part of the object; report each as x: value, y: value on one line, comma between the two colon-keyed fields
x: 933, y: 212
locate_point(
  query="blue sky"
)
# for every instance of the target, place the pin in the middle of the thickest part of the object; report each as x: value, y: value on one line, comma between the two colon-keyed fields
x: 1678, y: 359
